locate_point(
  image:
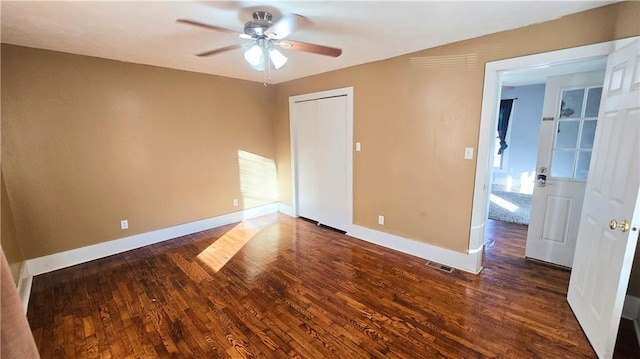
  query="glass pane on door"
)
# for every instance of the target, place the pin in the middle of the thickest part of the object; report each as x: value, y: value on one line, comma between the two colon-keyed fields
x: 562, y: 163
x: 575, y: 133
x: 582, y: 169
x: 571, y: 105
x: 588, y: 134
x: 567, y: 136
x: 593, y: 102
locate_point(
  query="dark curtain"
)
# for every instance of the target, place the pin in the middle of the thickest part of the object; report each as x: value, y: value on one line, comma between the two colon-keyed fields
x: 503, y: 123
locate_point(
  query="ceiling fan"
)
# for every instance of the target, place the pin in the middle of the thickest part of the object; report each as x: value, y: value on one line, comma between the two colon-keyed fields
x: 267, y: 35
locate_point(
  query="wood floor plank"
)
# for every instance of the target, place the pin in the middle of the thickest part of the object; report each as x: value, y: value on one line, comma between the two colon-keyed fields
x: 279, y: 287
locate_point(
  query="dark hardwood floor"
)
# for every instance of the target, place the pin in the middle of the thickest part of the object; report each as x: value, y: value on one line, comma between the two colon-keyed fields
x: 278, y: 287
x: 627, y: 345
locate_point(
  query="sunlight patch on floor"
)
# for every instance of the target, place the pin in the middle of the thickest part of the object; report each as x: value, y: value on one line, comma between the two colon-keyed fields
x: 224, y: 248
x: 503, y: 203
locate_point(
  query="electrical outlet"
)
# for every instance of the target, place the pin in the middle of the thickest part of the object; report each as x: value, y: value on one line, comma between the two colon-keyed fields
x: 124, y: 224
x: 235, y: 202
x: 381, y: 220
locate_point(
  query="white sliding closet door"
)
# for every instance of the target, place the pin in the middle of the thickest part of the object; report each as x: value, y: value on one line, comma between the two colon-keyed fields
x: 321, y: 146
x: 306, y: 116
x: 332, y: 150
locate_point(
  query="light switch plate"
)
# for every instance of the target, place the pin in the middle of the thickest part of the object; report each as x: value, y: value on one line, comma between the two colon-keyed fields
x: 358, y: 147
x: 468, y: 153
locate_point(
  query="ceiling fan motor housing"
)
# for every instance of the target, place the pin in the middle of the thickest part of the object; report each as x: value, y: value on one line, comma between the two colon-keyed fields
x: 260, y: 23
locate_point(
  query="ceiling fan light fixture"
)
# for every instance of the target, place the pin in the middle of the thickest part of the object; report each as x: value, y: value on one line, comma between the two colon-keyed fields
x: 277, y: 58
x: 254, y: 57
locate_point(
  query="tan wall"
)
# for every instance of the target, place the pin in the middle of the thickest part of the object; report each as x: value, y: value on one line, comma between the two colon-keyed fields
x: 87, y: 142
x: 414, y: 119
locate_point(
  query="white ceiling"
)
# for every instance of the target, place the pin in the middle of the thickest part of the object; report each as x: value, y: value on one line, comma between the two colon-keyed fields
x: 146, y: 32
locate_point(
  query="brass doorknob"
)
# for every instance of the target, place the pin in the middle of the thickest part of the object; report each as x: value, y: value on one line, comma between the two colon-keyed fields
x: 624, y: 225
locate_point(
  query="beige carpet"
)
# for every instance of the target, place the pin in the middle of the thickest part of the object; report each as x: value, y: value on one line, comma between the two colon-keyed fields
x: 510, y: 207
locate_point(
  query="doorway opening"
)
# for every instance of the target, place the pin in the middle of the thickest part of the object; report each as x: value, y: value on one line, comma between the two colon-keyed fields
x: 515, y: 149
x: 496, y: 75
x: 492, y: 93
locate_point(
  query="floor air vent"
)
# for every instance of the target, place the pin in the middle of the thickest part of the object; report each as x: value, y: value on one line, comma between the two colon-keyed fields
x: 440, y: 266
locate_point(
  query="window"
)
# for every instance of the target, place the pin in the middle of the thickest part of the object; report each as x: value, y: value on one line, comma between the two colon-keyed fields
x: 575, y: 131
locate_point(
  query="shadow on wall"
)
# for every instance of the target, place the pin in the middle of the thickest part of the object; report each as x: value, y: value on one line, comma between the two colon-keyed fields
x: 258, y: 179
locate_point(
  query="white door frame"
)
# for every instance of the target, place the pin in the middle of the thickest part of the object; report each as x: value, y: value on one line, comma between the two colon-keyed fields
x: 489, y: 116
x: 348, y: 92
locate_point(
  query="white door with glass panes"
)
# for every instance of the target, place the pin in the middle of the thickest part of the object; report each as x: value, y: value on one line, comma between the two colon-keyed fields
x: 570, y: 116
x: 611, y: 216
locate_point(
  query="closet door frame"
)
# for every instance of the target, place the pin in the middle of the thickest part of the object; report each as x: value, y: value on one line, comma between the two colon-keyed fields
x: 348, y: 92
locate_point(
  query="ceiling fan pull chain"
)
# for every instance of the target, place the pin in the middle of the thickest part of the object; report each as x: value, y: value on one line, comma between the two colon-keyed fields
x: 265, y: 57
x: 264, y: 78
x: 268, y: 58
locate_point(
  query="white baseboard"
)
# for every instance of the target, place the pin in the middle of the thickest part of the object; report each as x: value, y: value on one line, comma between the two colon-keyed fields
x: 631, y: 308
x: 24, y: 289
x: 24, y: 285
x: 471, y: 262
x: 476, y: 239
x: 286, y: 209
x: 22, y: 272
x: 80, y: 255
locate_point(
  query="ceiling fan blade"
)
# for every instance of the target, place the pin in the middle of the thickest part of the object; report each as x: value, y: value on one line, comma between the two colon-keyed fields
x: 313, y: 48
x: 286, y: 25
x: 209, y: 27
x: 220, y: 50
